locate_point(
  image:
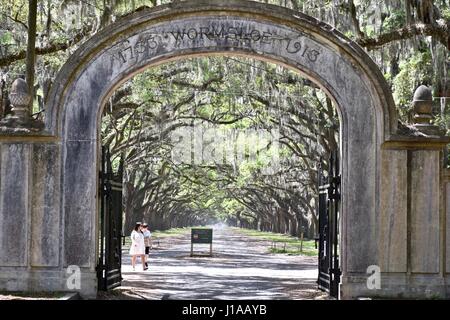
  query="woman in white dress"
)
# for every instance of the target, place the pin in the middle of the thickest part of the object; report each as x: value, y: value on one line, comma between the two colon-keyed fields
x: 137, y: 246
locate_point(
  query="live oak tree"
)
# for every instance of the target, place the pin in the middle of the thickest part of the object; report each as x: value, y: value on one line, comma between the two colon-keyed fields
x: 224, y: 94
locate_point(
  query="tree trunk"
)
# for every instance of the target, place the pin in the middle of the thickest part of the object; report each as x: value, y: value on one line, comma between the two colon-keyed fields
x: 409, y: 18
x: 31, y: 47
x: 293, y: 227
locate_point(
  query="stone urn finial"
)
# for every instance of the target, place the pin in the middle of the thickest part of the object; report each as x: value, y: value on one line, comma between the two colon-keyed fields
x: 423, y: 105
x: 20, y: 121
x: 20, y: 100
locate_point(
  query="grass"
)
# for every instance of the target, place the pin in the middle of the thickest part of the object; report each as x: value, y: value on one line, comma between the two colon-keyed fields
x: 283, y: 243
x: 159, y: 235
x: 171, y: 232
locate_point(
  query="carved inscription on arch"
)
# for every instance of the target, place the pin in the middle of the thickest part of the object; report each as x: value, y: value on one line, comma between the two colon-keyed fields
x: 227, y: 34
x: 127, y: 51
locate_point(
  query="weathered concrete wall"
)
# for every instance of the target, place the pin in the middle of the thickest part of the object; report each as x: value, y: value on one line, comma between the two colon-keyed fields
x: 14, y: 204
x: 392, y: 243
x: 32, y: 220
x: 425, y: 194
x: 446, y: 228
x: 52, y: 186
x: 45, y: 206
x: 79, y: 201
x: 412, y: 227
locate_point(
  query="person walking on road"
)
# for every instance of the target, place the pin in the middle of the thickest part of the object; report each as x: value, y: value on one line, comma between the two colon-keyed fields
x: 147, y: 242
x: 137, y: 246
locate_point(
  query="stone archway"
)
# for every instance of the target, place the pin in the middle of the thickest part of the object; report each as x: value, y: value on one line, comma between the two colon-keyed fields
x: 63, y: 160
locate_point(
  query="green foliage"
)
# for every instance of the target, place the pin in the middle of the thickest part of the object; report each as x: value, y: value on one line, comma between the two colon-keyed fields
x: 445, y: 14
x: 282, y: 243
x: 369, y: 30
x: 394, y: 21
x: 6, y: 38
x: 229, y: 95
x: 173, y: 232
x: 413, y: 72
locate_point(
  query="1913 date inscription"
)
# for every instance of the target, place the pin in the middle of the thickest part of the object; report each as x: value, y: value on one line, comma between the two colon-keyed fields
x: 221, y: 35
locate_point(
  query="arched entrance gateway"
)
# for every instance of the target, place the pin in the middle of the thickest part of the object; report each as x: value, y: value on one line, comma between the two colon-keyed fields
x: 393, y: 204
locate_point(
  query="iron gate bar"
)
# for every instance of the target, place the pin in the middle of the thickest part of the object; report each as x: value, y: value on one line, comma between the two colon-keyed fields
x: 110, y: 256
x: 101, y: 272
x: 328, y: 212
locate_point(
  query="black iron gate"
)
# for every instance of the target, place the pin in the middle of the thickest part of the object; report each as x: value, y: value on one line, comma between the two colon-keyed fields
x: 110, y: 246
x: 329, y: 199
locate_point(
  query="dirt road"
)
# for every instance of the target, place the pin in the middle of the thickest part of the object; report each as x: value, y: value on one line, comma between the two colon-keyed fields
x: 241, y: 268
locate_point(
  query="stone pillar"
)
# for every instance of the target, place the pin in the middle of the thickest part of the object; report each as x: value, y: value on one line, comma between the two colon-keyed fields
x: 424, y: 202
x: 31, y: 236
x: 446, y: 217
x: 393, y: 211
x: 14, y: 204
x: 30, y: 215
x: 426, y: 171
x: 412, y: 217
x: 45, y: 207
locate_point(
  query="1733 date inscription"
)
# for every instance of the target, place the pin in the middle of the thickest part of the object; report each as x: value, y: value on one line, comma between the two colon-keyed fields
x: 147, y: 44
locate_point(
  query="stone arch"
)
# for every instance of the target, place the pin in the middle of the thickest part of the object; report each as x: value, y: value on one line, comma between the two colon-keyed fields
x: 194, y: 28
x: 381, y: 210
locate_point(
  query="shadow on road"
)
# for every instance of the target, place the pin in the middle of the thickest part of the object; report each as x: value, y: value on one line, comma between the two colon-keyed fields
x: 240, y: 268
